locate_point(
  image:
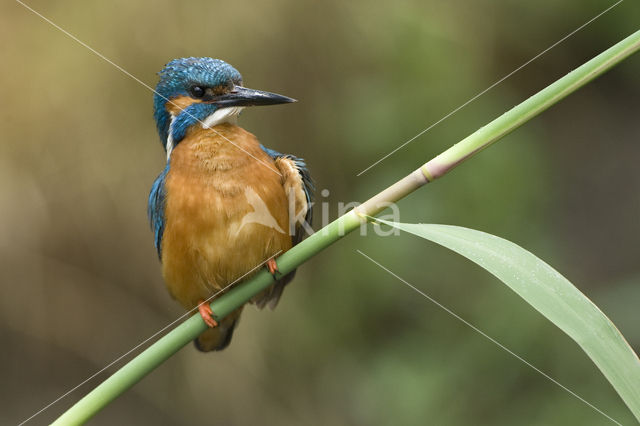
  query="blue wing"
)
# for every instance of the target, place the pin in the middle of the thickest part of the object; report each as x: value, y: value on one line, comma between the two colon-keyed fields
x: 308, y: 188
x: 299, y: 233
x: 155, y: 209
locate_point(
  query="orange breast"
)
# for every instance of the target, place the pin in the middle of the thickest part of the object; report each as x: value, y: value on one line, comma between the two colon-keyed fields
x: 226, y: 212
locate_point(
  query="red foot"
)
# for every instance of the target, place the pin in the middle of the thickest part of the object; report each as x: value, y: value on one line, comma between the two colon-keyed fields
x: 207, y: 314
x: 272, y: 266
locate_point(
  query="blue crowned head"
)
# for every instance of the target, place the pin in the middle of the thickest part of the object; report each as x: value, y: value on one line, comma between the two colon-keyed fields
x: 201, y: 91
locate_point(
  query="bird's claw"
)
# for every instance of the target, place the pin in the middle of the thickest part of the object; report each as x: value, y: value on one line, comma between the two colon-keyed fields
x: 207, y: 314
x: 272, y: 266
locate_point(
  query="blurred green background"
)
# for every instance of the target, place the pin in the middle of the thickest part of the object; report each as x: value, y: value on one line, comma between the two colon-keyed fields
x: 348, y: 344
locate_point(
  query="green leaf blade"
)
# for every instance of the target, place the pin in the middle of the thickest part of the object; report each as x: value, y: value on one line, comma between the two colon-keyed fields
x: 551, y: 294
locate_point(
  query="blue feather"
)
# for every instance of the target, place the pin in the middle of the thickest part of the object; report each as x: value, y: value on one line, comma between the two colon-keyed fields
x: 193, y: 114
x: 155, y: 209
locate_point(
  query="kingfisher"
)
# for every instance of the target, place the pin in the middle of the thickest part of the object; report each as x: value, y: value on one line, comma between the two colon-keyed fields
x: 224, y: 205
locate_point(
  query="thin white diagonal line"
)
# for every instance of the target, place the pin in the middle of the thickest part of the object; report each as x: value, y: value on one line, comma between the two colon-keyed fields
x: 490, y: 87
x: 491, y: 339
x: 143, y: 342
x: 100, y: 55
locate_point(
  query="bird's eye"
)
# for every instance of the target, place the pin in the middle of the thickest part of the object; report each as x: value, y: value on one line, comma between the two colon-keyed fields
x: 197, y: 91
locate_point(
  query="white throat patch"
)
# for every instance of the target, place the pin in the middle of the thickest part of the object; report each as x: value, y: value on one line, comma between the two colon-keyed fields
x: 222, y: 115
x: 170, y: 137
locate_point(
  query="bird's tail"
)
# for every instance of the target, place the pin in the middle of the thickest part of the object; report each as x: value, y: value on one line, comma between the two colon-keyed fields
x: 218, y: 338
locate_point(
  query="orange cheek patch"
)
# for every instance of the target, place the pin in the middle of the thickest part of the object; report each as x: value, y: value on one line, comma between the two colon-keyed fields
x: 219, y: 90
x: 176, y: 105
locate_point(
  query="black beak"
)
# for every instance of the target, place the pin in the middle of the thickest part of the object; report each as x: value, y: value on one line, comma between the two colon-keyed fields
x: 242, y: 96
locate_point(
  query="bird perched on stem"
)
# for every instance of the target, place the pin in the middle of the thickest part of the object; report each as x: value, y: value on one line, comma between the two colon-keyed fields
x: 224, y: 203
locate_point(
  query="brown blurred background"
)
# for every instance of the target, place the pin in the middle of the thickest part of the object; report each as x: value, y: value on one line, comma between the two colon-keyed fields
x: 349, y: 344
